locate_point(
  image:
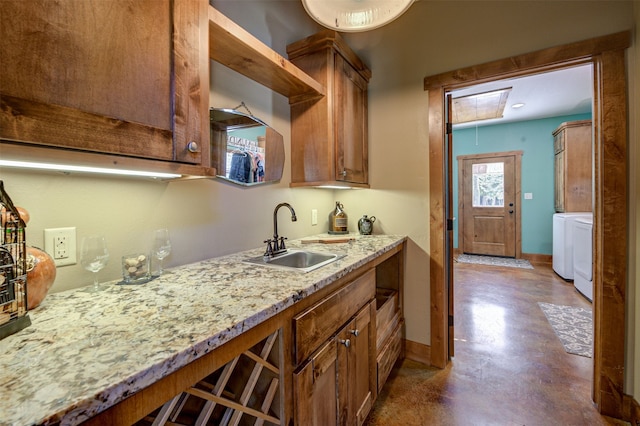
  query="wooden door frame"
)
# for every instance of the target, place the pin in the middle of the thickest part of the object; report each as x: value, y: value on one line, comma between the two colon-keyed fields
x: 516, y: 194
x: 607, y: 55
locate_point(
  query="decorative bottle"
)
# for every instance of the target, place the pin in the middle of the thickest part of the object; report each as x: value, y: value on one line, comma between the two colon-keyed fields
x: 338, y: 220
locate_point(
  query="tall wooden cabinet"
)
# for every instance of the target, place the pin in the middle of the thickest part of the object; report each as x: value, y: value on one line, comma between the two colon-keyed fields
x: 329, y: 140
x: 573, y: 165
x: 116, y: 77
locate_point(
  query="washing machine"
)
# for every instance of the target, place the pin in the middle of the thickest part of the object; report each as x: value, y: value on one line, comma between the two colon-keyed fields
x: 583, y: 257
x: 563, y: 225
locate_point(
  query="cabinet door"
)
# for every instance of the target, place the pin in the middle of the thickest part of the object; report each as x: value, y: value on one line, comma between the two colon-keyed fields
x: 116, y: 77
x: 315, y: 388
x: 350, y: 102
x: 356, y: 376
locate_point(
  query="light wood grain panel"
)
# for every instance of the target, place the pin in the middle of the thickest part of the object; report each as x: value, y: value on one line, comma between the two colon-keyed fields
x: 610, y: 236
x: 318, y: 323
x: 234, y: 47
x: 107, y: 58
x: 329, y: 139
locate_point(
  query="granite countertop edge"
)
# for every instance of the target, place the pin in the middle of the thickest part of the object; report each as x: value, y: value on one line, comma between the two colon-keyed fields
x: 82, y: 408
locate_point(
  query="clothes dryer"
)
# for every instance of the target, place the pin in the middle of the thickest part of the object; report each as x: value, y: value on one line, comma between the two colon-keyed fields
x: 583, y: 257
x: 563, y: 225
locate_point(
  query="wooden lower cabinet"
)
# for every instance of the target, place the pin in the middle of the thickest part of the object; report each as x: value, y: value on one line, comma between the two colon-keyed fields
x: 356, y: 377
x: 336, y: 385
x: 320, y: 362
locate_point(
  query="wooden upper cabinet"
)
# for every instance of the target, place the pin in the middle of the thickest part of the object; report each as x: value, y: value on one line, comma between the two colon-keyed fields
x: 329, y: 140
x: 573, y: 165
x: 113, y: 77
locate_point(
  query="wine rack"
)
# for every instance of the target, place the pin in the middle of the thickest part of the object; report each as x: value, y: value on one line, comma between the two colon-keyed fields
x: 245, y: 391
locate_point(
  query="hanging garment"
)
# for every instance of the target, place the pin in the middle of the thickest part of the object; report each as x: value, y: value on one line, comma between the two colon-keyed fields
x: 240, y: 167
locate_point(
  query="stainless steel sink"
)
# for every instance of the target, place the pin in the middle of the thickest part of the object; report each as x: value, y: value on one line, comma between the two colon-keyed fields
x: 299, y: 260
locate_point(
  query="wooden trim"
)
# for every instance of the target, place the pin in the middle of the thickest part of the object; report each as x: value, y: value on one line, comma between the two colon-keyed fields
x: 437, y: 231
x: 537, y: 257
x: 328, y: 39
x: 417, y: 352
x: 610, y: 240
x: 530, y: 63
x: 610, y: 231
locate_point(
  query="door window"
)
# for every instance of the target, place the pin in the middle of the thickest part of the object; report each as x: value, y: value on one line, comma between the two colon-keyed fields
x: 488, y: 184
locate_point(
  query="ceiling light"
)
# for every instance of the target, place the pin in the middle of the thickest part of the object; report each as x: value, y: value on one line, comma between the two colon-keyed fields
x: 480, y: 106
x: 355, y: 15
x: 518, y: 105
x: 85, y: 169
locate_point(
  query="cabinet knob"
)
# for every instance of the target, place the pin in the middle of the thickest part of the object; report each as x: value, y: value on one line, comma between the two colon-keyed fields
x: 193, y: 146
x: 345, y: 342
x: 343, y: 172
x: 355, y: 332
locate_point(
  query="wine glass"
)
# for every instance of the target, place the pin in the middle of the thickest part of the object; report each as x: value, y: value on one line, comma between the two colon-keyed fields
x: 161, y: 246
x: 94, y: 256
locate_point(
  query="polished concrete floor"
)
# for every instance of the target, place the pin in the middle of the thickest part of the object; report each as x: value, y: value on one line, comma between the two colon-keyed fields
x: 509, y: 367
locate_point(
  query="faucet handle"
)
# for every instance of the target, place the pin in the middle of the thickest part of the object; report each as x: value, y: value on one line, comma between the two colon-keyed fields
x: 282, y: 246
x: 269, y: 251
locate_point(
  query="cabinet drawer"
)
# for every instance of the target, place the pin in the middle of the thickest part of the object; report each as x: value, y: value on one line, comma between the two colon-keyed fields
x: 389, y: 355
x: 387, y: 315
x: 318, y: 323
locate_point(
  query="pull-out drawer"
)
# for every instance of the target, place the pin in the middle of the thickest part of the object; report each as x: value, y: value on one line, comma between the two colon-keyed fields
x: 388, y: 355
x: 387, y: 315
x: 315, y: 325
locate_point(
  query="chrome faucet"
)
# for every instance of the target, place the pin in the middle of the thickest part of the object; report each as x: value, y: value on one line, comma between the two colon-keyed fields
x: 276, y: 244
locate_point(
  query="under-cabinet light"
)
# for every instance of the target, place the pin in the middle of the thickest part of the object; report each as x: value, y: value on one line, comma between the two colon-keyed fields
x: 334, y: 187
x: 518, y: 105
x: 85, y: 169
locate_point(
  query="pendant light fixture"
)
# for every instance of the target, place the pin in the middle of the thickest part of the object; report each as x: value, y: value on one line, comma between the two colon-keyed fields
x: 355, y: 15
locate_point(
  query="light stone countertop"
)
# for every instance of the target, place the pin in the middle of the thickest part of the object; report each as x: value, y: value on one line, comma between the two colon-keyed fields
x: 85, y: 352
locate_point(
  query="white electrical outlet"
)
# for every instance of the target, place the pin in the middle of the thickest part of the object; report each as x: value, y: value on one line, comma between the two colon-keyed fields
x: 314, y: 217
x: 60, y: 243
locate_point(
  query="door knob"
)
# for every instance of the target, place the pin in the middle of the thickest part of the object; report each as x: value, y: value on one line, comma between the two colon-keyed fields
x: 511, y: 211
x: 345, y: 342
x: 355, y: 332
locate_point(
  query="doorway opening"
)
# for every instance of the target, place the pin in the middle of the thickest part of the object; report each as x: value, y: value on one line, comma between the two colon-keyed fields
x: 607, y: 55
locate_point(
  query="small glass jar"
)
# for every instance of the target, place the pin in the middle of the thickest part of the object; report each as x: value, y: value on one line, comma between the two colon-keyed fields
x: 136, y: 268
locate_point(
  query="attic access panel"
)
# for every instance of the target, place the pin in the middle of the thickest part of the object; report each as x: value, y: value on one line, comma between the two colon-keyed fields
x: 480, y: 106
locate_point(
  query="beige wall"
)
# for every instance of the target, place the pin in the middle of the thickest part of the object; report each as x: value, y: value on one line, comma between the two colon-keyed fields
x: 209, y: 218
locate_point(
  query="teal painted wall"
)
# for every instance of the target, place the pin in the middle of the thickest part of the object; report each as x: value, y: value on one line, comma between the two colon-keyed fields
x: 534, y: 138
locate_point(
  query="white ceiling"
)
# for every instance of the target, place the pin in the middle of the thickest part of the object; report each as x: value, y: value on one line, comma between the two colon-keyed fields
x: 563, y: 92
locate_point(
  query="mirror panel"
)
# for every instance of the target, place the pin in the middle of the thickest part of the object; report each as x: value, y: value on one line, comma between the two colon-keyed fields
x: 245, y: 150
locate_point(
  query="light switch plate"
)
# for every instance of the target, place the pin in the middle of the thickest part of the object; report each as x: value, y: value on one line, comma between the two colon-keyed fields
x: 60, y: 243
x: 528, y: 195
